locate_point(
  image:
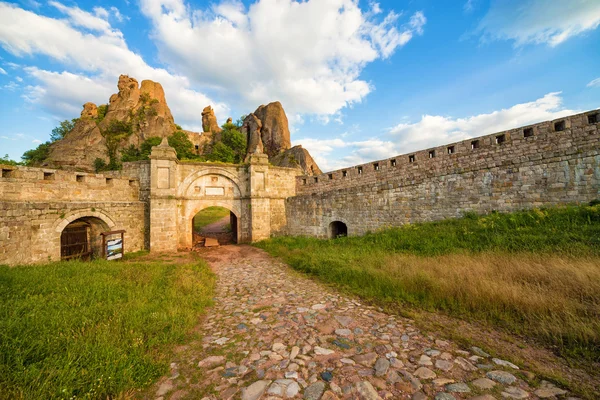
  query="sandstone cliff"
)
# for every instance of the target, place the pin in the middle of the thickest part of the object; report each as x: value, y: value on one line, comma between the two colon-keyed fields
x: 143, y: 108
x: 142, y: 111
x: 267, y: 131
x: 297, y: 157
x: 273, y: 128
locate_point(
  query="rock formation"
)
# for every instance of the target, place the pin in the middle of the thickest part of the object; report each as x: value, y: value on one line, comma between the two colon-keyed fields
x: 274, y: 129
x: 144, y: 108
x: 143, y: 111
x: 297, y: 157
x: 89, y: 111
x: 252, y: 126
x: 267, y: 131
x: 209, y: 121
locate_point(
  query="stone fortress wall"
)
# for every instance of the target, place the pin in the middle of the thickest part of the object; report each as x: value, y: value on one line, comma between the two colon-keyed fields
x: 154, y: 201
x: 549, y: 163
x: 36, y: 204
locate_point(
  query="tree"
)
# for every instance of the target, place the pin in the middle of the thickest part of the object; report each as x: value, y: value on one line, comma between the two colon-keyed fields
x: 37, y: 155
x: 182, y: 145
x: 235, y: 140
x: 114, y: 134
x: 132, y: 153
x: 221, y: 152
x: 231, y: 148
x: 61, y: 130
x: 7, y: 161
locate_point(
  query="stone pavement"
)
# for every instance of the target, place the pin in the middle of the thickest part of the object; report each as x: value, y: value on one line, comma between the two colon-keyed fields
x: 274, y: 334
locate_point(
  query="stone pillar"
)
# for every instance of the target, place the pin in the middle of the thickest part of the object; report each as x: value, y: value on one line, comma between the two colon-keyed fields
x: 163, y: 198
x: 260, y: 203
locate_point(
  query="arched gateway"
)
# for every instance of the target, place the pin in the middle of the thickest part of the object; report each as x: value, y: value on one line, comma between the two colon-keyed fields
x: 255, y: 193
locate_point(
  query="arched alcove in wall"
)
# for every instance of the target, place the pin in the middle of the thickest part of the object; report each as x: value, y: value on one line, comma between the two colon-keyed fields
x: 337, y: 229
x: 80, y: 238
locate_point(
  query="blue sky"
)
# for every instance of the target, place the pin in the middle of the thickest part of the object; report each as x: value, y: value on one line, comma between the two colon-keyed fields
x: 359, y: 80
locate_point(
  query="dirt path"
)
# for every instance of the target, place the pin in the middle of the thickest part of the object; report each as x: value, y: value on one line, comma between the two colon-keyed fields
x: 273, y: 333
x: 216, y: 227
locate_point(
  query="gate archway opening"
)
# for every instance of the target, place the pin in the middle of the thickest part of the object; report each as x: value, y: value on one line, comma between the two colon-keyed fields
x: 80, y: 239
x: 217, y: 223
x: 337, y: 229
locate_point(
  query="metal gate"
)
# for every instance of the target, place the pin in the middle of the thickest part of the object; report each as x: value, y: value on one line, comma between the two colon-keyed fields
x: 74, y: 241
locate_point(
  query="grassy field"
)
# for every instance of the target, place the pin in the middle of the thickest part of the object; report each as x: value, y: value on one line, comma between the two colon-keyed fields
x: 208, y: 216
x: 535, y: 273
x: 94, y: 330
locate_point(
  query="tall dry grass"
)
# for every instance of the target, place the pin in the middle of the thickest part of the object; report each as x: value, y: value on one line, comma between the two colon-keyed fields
x: 535, y: 273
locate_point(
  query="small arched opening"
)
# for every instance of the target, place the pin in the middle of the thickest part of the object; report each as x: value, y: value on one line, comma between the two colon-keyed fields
x: 80, y: 239
x: 217, y: 223
x: 337, y: 229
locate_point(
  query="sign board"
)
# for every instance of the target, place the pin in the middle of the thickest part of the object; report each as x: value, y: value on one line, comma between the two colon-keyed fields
x: 114, y: 249
x: 112, y: 245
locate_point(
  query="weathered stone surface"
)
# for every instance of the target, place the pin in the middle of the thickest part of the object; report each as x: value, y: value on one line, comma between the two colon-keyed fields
x: 209, y: 120
x: 90, y: 110
x: 274, y: 129
x: 297, y: 157
x: 458, y: 388
x: 314, y: 391
x: 212, y: 361
x: 367, y: 360
x: 424, y: 373
x: 255, y: 390
x: 483, y: 383
x: 513, y: 392
x: 381, y: 366
x: 366, y: 391
x: 502, y: 377
x: 444, y: 396
x: 548, y: 390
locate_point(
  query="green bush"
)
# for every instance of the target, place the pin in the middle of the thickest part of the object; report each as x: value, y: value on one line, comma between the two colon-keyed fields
x: 36, y: 156
x: 7, y: 161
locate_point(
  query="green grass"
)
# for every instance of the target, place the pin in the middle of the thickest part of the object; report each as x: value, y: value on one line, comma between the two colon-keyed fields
x: 534, y: 273
x: 94, y: 330
x: 208, y: 216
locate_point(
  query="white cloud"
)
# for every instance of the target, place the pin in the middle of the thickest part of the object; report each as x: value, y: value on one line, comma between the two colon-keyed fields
x: 2, y: 71
x: 83, y: 19
x: 309, y: 55
x: 430, y: 131
x: 435, y: 130
x: 594, y: 83
x: 539, y: 21
x: 469, y: 6
x: 102, y: 54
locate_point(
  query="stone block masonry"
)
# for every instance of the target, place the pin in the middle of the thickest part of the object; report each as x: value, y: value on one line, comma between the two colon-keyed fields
x: 36, y: 204
x: 155, y: 201
x: 550, y: 163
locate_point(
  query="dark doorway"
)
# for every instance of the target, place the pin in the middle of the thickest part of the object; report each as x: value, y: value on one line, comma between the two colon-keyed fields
x: 81, y: 239
x: 216, y: 223
x: 337, y: 229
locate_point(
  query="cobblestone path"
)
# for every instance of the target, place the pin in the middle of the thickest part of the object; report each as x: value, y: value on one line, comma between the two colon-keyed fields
x: 274, y: 334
